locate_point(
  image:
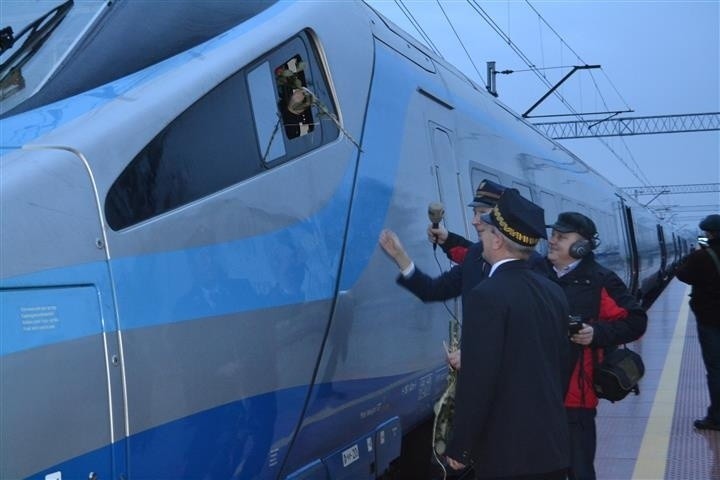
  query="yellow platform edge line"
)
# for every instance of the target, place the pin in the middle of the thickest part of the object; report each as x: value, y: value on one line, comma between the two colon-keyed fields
x: 652, y: 457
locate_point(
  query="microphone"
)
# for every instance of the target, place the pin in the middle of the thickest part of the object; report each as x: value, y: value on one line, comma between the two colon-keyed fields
x: 436, y: 212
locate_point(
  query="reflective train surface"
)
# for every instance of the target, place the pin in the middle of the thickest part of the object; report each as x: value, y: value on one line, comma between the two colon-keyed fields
x: 191, y: 195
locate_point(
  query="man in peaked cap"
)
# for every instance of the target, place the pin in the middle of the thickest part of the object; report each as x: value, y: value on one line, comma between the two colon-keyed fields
x: 514, y: 343
x: 701, y: 269
x: 453, y: 245
x: 459, y: 280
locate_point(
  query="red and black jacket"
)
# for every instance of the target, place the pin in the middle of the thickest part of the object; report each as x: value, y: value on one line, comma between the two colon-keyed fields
x: 603, y: 301
x: 456, y: 247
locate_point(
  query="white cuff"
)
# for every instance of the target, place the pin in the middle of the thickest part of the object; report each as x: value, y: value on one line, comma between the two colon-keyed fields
x: 409, y: 270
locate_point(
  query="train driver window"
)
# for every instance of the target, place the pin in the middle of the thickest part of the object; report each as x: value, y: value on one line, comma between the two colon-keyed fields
x: 291, y: 101
x: 523, y: 189
x: 232, y: 133
x: 477, y: 175
x: 295, y: 98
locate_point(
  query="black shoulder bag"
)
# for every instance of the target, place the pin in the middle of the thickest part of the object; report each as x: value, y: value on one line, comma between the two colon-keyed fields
x: 618, y: 374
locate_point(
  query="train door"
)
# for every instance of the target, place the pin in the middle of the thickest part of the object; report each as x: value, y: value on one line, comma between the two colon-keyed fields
x: 447, y: 176
x: 676, y: 249
x: 631, y: 243
x: 60, y: 381
x: 663, y: 250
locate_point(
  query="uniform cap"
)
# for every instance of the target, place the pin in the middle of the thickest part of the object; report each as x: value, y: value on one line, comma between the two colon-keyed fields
x: 517, y: 218
x: 487, y: 194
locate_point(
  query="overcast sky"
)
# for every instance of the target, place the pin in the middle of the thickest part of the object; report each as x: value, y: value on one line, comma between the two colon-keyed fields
x: 663, y: 57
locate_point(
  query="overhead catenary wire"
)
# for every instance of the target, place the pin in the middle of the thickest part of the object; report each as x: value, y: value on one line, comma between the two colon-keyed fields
x: 639, y: 174
x: 637, y: 171
x: 408, y: 14
x: 632, y: 166
x: 573, y: 51
x: 461, y: 42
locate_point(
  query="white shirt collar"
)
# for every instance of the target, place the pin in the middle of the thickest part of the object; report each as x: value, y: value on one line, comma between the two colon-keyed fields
x: 567, y: 269
x: 498, y: 263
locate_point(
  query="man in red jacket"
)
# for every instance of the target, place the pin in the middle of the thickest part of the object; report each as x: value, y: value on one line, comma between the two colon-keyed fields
x: 611, y: 316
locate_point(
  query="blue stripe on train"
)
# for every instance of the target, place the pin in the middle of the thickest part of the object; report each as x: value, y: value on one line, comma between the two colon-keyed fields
x: 157, y: 289
x: 248, y: 439
x: 153, y: 289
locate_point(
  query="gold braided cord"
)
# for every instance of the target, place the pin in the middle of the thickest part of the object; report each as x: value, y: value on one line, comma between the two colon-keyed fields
x: 511, y: 232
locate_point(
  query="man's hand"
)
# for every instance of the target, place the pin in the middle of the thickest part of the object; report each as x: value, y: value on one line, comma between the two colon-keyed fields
x: 454, y: 464
x: 437, y: 235
x: 390, y: 242
x: 453, y: 359
x: 584, y: 336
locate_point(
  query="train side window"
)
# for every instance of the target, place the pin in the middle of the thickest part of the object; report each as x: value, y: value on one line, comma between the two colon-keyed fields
x: 523, y: 189
x: 477, y: 175
x: 295, y: 98
x: 205, y: 149
x: 227, y: 136
x: 291, y: 101
x: 549, y: 204
x: 598, y: 220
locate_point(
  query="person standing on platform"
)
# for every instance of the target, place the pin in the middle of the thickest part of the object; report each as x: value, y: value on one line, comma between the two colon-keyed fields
x: 701, y: 269
x: 611, y: 316
x: 515, y: 351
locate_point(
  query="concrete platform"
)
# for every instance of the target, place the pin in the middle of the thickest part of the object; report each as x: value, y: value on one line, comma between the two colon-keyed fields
x: 651, y: 436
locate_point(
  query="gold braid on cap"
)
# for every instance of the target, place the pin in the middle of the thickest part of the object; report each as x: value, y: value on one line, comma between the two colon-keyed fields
x: 511, y: 232
x: 481, y: 192
x: 486, y: 193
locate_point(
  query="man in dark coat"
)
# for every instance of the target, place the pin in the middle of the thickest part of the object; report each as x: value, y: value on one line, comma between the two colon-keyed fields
x: 515, y: 351
x: 610, y: 314
x: 701, y: 270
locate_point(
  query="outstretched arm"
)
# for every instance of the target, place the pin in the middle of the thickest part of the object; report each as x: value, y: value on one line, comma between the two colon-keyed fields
x: 390, y: 242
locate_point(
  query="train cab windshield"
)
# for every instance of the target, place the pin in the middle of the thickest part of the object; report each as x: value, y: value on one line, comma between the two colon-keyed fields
x: 52, y: 50
x: 34, y: 40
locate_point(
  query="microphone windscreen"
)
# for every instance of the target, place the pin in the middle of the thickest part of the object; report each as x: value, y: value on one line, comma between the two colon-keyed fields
x: 436, y: 211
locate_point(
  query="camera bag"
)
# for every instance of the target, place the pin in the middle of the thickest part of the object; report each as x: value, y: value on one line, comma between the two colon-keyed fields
x: 618, y: 374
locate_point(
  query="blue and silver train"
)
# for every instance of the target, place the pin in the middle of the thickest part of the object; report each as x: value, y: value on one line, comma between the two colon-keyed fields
x: 191, y: 195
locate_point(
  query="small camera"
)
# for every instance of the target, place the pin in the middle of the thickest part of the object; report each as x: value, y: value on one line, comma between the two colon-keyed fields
x: 575, y: 324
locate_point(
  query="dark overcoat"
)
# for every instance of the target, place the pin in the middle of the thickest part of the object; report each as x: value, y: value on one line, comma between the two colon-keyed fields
x: 509, y: 413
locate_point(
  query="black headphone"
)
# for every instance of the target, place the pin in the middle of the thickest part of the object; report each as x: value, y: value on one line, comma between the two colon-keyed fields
x: 583, y: 247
